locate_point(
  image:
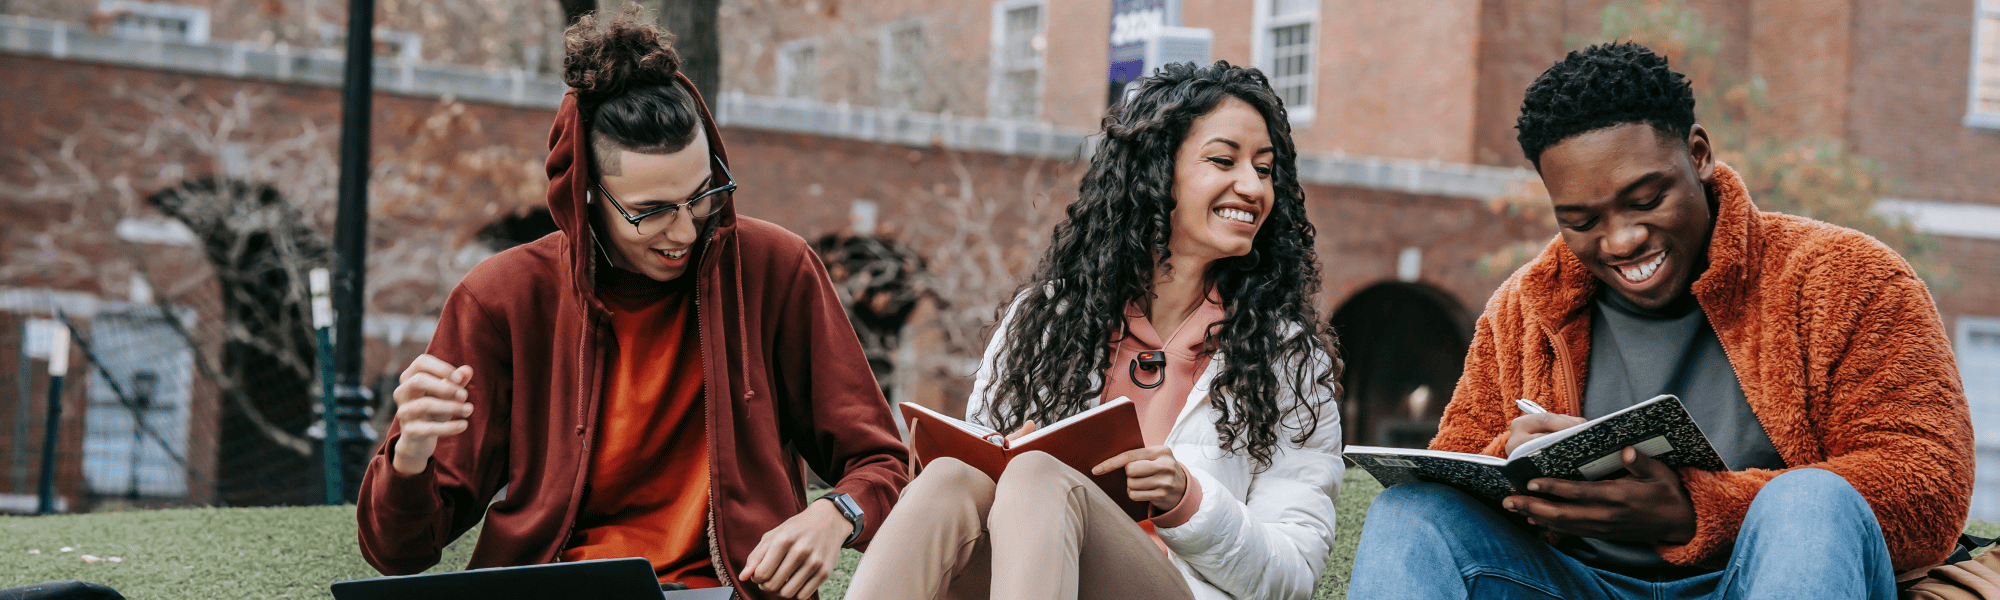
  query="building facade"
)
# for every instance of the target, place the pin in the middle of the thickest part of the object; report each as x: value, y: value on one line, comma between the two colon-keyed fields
x: 955, y: 130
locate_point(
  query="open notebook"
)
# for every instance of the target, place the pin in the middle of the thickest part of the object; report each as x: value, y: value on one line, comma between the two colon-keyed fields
x: 1659, y: 428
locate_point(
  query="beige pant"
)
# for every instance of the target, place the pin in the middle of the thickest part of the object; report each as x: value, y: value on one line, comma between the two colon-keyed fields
x: 1043, y: 531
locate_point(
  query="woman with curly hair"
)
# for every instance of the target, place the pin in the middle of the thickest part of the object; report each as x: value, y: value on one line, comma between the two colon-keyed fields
x: 647, y: 381
x: 1189, y: 236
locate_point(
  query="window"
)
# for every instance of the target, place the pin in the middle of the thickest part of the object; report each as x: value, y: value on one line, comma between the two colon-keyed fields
x: 1984, y: 100
x: 1978, y: 353
x: 903, y: 52
x: 157, y: 21
x: 1284, y: 50
x: 798, y: 69
x: 1018, y: 43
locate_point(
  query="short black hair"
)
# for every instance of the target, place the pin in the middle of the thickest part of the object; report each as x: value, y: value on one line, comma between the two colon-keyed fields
x: 1604, y: 86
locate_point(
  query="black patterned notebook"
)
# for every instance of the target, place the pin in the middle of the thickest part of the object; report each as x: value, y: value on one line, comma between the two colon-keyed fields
x: 1660, y: 428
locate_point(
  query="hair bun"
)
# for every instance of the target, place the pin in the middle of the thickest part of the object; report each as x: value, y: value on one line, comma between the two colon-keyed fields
x: 632, y: 51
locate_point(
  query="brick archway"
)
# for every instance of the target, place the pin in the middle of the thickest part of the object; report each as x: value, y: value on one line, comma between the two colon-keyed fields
x: 1404, y: 344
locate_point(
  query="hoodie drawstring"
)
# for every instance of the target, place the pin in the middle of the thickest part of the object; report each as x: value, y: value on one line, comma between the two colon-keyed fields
x: 742, y: 326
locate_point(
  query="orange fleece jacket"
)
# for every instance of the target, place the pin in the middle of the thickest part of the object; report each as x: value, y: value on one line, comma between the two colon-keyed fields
x: 1838, y: 347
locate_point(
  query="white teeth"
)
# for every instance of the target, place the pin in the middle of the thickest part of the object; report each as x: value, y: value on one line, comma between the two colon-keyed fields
x: 674, y: 255
x: 1236, y: 215
x: 1640, y: 273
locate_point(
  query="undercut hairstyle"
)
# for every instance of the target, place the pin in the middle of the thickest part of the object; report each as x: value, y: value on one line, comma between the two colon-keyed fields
x: 626, y: 79
x: 1603, y: 86
x: 1281, y: 367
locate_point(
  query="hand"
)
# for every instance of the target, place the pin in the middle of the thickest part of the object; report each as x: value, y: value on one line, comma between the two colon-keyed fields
x: 1533, y: 425
x: 430, y: 403
x: 1025, y: 429
x: 1151, y: 476
x: 794, y: 558
x: 1650, y: 505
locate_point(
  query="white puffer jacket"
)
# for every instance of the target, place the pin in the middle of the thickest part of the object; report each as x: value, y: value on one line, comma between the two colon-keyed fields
x: 1257, y: 535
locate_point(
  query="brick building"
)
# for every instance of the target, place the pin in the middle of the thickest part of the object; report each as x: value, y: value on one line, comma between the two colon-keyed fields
x: 955, y: 129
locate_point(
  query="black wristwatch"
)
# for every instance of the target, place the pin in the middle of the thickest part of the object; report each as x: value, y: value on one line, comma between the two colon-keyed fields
x: 849, y: 509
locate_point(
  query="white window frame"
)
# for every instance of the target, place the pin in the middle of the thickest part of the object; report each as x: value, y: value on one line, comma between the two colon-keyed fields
x: 1260, y: 53
x: 788, y: 69
x: 885, y: 80
x: 1982, y: 508
x: 1000, y: 66
x: 1982, y: 10
x: 197, y: 19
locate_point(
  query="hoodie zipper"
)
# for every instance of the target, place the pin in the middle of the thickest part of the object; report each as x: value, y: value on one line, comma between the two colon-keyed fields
x: 1737, y: 369
x: 1567, y: 370
x: 715, y: 557
x: 586, y: 387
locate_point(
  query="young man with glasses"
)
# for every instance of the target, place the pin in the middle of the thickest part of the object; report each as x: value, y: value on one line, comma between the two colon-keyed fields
x: 649, y: 380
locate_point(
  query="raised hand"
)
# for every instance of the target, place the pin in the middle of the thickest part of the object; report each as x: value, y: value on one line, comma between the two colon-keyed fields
x: 430, y: 403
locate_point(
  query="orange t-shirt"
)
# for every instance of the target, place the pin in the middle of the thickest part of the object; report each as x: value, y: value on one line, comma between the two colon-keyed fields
x: 647, y: 489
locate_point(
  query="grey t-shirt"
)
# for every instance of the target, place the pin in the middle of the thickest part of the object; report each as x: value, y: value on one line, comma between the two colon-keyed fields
x: 1636, y: 354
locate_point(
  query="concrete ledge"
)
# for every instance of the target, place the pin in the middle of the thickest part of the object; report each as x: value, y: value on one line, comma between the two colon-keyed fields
x: 1416, y: 177
x: 890, y: 126
x: 389, y: 327
x: 1978, y: 221
x: 68, y: 41
x: 1047, y: 141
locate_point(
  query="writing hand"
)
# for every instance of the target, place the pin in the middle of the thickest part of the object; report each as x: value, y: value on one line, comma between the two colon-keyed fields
x: 1533, y: 425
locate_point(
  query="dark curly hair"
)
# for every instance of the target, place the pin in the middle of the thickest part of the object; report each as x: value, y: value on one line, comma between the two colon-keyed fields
x: 626, y: 79
x: 1102, y: 260
x: 1603, y: 86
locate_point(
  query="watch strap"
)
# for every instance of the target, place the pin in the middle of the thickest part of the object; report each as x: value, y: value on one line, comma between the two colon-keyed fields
x: 849, y: 509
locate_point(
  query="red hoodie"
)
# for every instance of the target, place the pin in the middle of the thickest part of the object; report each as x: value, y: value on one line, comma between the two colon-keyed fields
x: 785, y: 380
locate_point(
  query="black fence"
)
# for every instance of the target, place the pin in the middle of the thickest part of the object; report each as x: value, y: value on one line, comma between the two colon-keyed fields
x: 161, y: 405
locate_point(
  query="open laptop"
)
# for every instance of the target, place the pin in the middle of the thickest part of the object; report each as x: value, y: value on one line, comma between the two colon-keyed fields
x: 609, y: 579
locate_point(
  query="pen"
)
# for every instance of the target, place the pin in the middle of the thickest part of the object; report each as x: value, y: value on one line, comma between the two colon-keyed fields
x: 1529, y: 406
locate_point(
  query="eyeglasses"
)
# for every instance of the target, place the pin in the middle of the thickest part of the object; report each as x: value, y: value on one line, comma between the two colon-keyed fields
x: 699, y: 208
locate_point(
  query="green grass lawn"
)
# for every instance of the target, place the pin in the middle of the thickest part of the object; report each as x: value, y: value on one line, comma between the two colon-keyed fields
x: 229, y: 553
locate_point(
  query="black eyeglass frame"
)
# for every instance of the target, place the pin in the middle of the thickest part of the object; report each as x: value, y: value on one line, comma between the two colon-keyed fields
x: 727, y: 188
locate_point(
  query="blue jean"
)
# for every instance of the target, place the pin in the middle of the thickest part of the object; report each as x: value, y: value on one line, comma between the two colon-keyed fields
x: 1808, y: 534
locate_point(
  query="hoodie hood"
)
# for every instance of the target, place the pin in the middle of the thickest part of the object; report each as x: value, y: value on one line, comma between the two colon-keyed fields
x: 570, y: 174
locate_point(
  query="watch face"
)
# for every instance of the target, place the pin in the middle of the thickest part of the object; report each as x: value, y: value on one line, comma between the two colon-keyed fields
x: 846, y: 505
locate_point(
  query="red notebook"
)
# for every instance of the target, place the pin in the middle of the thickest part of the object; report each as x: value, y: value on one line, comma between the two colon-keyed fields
x: 1081, y: 441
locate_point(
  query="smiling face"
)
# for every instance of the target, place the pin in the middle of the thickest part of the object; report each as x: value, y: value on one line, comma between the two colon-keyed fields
x: 1634, y: 207
x: 1222, y: 183
x: 661, y: 246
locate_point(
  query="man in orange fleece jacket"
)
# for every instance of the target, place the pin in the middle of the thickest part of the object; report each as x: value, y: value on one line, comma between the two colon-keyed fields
x: 1811, y: 355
